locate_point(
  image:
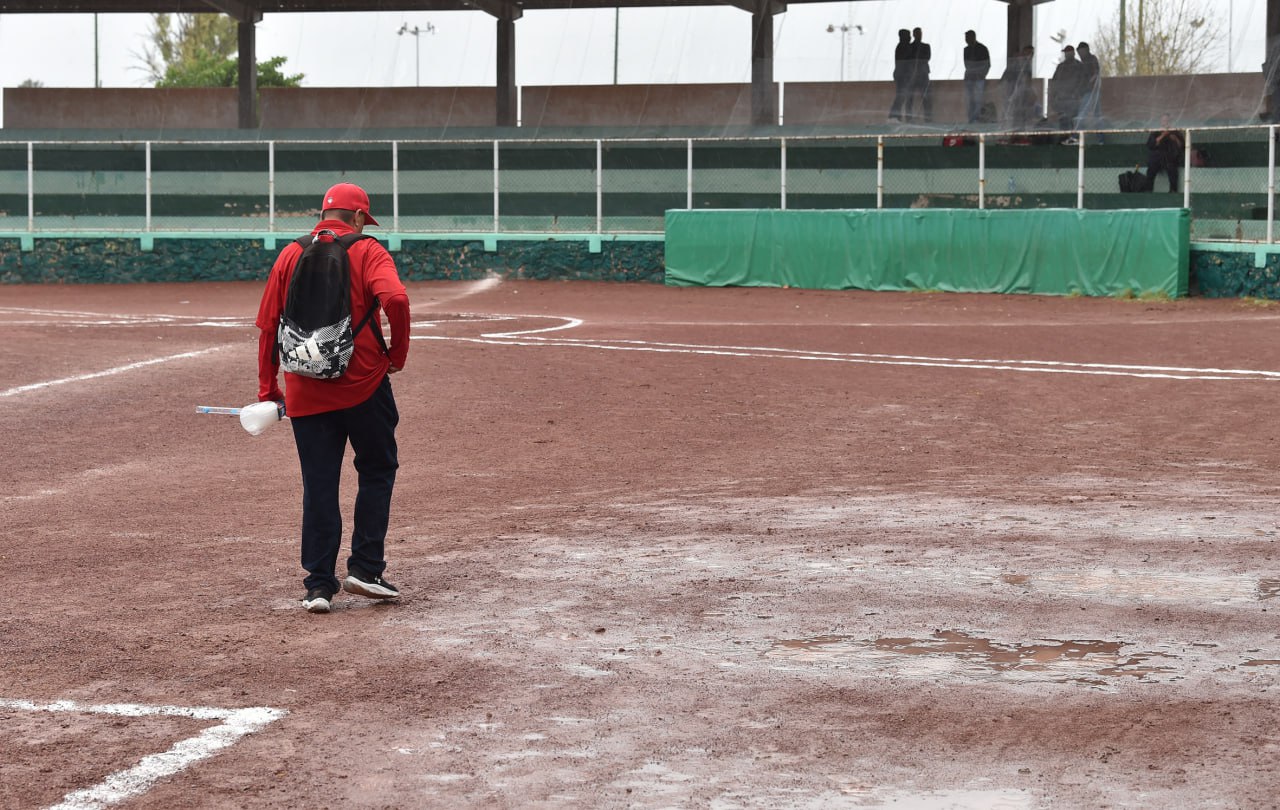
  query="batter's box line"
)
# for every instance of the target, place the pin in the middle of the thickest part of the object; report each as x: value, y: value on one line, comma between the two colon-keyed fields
x: 131, y: 782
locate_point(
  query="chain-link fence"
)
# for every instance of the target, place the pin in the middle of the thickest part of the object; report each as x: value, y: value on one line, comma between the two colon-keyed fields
x: 588, y: 187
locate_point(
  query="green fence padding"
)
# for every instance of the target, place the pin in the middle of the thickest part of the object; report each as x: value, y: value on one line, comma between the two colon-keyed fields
x: 1047, y: 251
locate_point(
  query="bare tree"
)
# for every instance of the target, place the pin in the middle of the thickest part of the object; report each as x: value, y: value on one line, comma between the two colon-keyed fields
x: 1159, y: 37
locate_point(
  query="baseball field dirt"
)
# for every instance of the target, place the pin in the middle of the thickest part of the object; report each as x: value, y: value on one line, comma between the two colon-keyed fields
x: 658, y: 547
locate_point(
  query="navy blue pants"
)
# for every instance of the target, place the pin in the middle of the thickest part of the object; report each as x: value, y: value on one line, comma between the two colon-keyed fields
x: 1170, y: 168
x: 322, y: 440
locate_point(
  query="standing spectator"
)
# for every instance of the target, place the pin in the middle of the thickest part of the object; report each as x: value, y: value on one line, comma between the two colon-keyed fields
x: 977, y: 64
x: 1164, y: 154
x: 1065, y: 88
x: 356, y: 408
x: 903, y: 68
x: 1091, y: 74
x: 1019, y: 90
x: 920, y: 76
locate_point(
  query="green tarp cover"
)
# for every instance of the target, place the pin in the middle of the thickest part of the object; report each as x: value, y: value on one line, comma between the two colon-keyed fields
x: 1049, y: 251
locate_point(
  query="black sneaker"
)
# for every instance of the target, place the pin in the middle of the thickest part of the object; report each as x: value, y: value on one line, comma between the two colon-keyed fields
x: 372, y: 587
x: 318, y: 600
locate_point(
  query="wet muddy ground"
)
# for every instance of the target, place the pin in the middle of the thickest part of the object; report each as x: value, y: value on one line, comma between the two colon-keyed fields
x: 658, y: 547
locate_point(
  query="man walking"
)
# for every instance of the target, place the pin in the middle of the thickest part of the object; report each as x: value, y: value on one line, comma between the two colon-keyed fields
x: 356, y: 407
x: 977, y: 64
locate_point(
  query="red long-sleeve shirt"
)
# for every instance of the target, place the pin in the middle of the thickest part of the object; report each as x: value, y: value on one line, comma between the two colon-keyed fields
x: 373, y: 274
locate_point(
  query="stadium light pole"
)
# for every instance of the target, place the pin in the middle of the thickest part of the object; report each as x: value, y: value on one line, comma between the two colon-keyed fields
x: 417, y: 47
x: 844, y: 29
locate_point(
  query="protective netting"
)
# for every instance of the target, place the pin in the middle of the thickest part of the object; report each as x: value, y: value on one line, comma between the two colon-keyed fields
x: 599, y: 186
x: 623, y: 115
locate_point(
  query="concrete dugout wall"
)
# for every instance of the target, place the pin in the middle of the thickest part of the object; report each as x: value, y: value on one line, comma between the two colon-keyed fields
x: 1218, y: 97
x: 375, y: 107
x: 120, y: 108
x: 637, y: 106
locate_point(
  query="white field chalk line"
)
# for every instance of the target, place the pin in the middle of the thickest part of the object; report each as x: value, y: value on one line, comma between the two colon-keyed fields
x: 148, y: 317
x: 22, y: 389
x: 569, y: 323
x: 1241, y: 375
x: 966, y: 360
x: 47, y: 317
x: 132, y: 782
x: 467, y: 317
x: 1105, y: 369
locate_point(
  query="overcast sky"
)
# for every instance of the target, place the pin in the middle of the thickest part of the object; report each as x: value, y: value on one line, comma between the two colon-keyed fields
x: 577, y: 47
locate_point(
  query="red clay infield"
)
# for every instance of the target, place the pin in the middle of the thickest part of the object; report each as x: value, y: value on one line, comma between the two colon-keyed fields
x: 679, y: 548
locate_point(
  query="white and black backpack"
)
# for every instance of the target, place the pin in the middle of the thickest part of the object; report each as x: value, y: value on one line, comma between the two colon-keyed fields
x: 315, y: 337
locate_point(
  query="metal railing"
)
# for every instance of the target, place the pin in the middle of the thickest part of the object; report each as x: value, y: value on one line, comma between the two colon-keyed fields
x: 610, y: 188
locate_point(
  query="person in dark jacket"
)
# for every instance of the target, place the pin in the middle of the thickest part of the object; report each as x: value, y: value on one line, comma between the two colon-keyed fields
x: 1164, y: 154
x: 920, y: 75
x: 903, y: 66
x: 977, y: 64
x: 1066, y: 88
x: 1091, y: 99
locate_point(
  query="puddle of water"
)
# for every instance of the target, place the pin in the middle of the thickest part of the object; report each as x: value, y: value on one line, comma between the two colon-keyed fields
x: 957, y: 652
x: 1261, y: 662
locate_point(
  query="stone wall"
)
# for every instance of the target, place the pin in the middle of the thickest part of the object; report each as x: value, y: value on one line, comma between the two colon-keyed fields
x: 1224, y: 274
x: 122, y: 261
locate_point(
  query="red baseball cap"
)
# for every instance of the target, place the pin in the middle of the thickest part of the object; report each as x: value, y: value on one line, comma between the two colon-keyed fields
x: 349, y: 197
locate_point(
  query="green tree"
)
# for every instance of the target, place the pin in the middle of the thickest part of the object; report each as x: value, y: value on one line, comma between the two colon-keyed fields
x: 1158, y: 38
x: 212, y: 71
x: 199, y: 50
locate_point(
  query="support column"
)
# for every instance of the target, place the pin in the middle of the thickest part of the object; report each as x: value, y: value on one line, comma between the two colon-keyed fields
x: 1271, y: 65
x: 506, y: 86
x: 1021, y: 31
x: 247, y: 63
x: 764, y: 102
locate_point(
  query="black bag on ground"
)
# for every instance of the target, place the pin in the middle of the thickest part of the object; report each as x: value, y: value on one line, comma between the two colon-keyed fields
x: 315, y: 337
x: 1133, y: 181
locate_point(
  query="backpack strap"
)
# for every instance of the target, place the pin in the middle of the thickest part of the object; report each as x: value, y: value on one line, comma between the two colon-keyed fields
x: 303, y: 242
x: 347, y: 240
x: 377, y: 333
